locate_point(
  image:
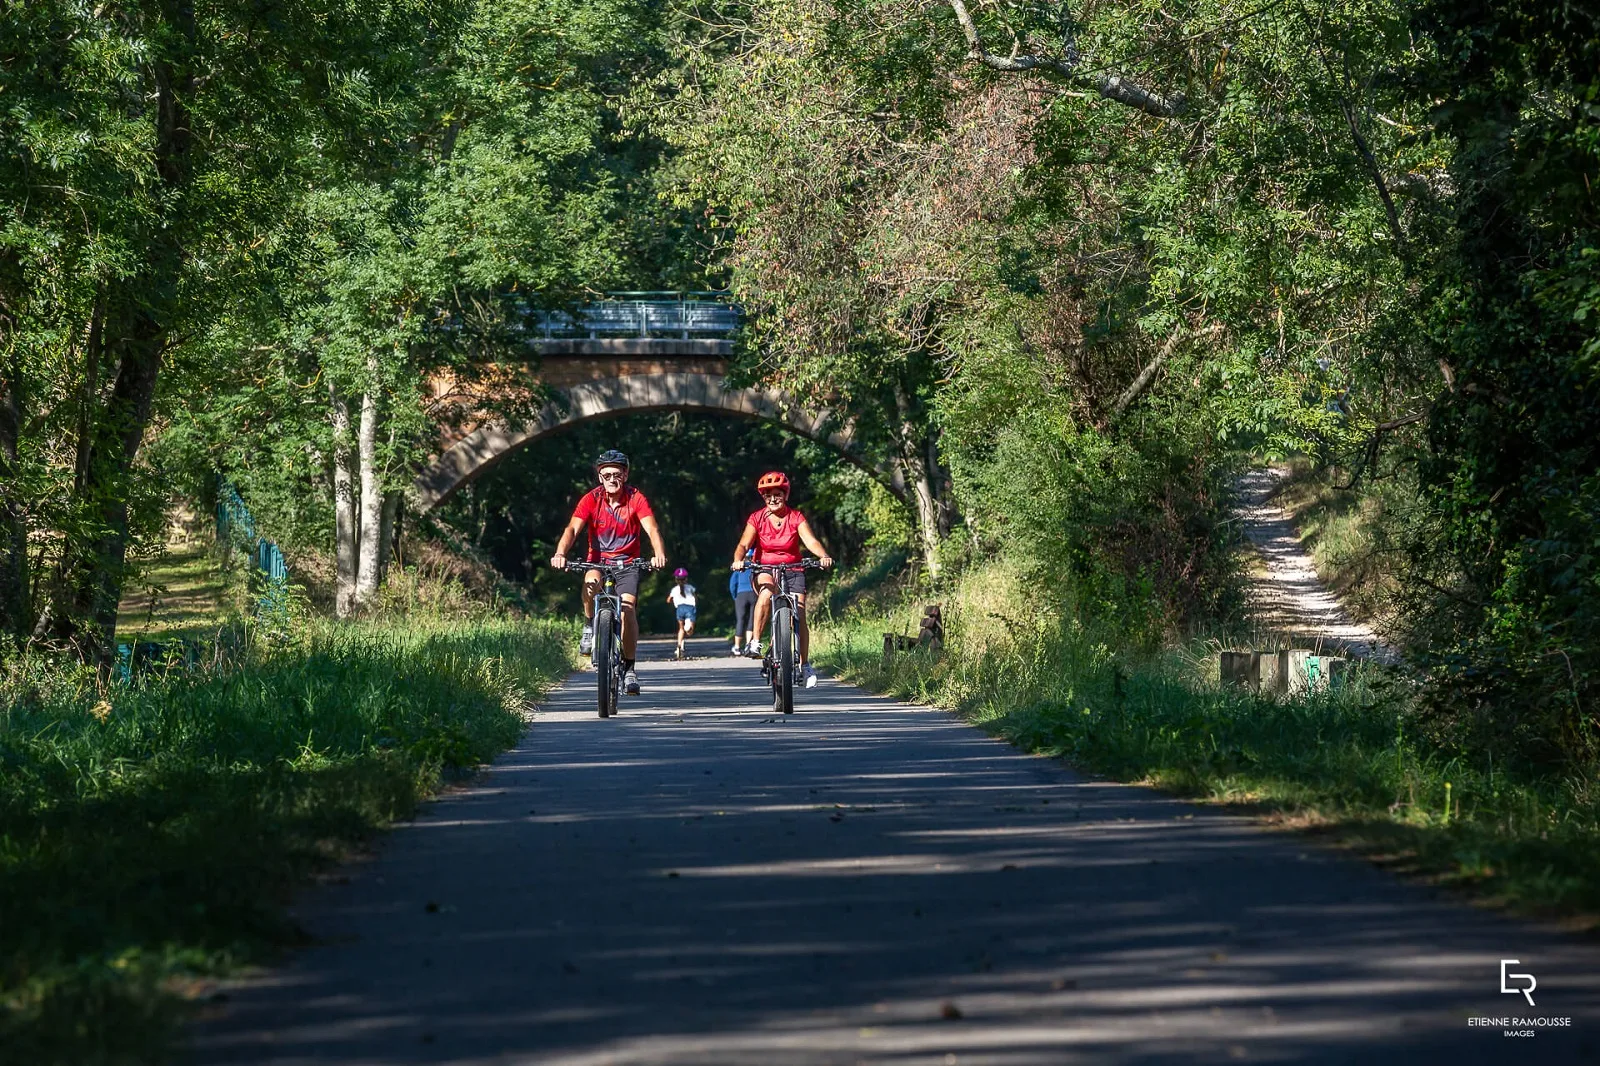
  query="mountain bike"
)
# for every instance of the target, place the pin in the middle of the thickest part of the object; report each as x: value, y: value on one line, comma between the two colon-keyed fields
x: 782, y: 657
x: 607, y: 657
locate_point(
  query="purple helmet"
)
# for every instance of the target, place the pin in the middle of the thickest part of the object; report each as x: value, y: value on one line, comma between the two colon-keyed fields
x: 680, y: 572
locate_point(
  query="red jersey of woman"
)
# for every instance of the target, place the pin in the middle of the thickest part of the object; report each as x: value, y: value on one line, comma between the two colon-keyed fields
x: 777, y: 543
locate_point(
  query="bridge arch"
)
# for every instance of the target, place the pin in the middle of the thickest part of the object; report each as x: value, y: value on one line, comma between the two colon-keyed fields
x: 613, y: 397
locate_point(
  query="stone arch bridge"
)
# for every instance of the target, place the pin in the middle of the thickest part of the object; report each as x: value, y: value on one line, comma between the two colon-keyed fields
x: 637, y: 352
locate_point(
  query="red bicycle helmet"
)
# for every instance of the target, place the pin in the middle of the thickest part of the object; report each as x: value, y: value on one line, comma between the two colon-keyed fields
x: 774, y: 480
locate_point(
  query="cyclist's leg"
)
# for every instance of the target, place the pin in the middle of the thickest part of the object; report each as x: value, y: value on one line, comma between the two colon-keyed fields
x: 628, y: 590
x: 764, y: 586
x: 591, y: 589
x: 630, y: 626
x: 802, y: 631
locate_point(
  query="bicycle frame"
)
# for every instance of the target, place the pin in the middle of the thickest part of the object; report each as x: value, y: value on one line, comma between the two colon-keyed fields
x: 779, y: 662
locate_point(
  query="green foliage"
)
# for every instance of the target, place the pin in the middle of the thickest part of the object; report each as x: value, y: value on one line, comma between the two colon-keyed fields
x: 150, y: 833
x: 1361, y: 760
x: 1513, y: 463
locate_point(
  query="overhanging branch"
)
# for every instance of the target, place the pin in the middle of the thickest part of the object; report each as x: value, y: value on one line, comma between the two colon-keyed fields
x: 1111, y: 86
x: 1148, y: 374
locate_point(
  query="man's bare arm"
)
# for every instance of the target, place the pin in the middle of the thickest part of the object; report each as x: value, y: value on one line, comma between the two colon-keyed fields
x: 653, y: 531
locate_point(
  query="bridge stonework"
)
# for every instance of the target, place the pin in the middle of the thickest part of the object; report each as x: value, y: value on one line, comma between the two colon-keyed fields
x: 593, y: 379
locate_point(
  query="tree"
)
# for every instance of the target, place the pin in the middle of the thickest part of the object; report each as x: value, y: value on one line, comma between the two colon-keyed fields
x: 148, y: 146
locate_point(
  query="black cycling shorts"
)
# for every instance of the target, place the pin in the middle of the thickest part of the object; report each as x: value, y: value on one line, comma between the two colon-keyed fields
x: 795, y: 582
x: 627, y: 584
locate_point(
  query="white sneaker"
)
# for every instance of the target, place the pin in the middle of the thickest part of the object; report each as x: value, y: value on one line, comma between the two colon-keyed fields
x: 809, y: 672
x: 736, y: 650
x: 754, y: 650
x: 586, y: 642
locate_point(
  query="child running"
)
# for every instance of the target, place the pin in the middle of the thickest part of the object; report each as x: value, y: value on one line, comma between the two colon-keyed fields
x: 681, y: 596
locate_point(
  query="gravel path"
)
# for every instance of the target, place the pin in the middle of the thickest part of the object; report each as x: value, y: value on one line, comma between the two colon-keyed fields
x: 698, y: 883
x: 1292, y: 600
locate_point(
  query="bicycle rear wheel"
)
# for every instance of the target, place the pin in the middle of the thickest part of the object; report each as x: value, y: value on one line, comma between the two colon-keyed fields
x: 605, y: 661
x: 783, y: 661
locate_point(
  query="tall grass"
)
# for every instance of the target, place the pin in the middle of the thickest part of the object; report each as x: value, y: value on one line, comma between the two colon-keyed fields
x: 151, y: 833
x: 1357, y: 760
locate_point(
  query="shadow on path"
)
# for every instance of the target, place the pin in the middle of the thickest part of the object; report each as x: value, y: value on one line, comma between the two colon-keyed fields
x: 700, y: 882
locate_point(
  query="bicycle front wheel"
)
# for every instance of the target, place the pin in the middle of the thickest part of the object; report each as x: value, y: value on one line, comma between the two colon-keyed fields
x: 783, y: 661
x: 605, y: 666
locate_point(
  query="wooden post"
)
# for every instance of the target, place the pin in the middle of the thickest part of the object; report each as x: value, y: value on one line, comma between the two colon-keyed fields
x: 1264, y: 671
x: 1293, y: 675
x: 1233, y: 667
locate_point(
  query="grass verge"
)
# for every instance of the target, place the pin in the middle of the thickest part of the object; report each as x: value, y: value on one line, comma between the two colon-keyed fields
x: 1356, y: 763
x: 151, y: 834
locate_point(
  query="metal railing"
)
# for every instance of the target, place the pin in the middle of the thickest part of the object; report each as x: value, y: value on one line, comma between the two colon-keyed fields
x: 643, y: 315
x: 237, y: 527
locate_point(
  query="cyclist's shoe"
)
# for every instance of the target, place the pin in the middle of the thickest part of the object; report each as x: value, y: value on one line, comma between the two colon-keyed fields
x: 754, y: 650
x: 809, y: 672
x: 630, y: 683
x: 586, y: 642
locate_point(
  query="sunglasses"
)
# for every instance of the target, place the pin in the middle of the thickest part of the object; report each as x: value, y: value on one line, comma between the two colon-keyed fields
x: 612, y: 475
x: 776, y: 495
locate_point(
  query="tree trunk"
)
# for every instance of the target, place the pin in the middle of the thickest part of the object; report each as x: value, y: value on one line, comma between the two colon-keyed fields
x: 386, y: 533
x: 914, y: 453
x: 90, y: 624
x: 346, y: 546
x: 134, y: 321
x: 371, y: 500
x: 941, y: 489
x: 14, y: 600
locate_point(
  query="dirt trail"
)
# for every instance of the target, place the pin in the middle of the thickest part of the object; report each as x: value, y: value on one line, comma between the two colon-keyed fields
x: 1292, y: 600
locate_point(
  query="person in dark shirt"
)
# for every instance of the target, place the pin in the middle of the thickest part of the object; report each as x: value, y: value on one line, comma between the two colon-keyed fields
x: 742, y: 588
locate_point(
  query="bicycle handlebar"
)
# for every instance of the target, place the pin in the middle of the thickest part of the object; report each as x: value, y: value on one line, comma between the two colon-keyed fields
x: 773, y: 568
x: 644, y: 565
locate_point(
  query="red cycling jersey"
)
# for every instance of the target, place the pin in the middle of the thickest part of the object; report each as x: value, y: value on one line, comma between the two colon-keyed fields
x: 777, y: 543
x: 613, y: 531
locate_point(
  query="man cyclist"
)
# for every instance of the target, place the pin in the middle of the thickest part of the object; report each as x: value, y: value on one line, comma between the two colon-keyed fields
x: 777, y: 531
x: 615, y: 513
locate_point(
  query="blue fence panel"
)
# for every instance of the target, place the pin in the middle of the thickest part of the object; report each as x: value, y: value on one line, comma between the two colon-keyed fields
x: 272, y: 598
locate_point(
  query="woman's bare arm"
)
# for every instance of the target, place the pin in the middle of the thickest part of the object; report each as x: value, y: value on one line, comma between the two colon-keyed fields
x: 745, y: 541
x: 813, y: 545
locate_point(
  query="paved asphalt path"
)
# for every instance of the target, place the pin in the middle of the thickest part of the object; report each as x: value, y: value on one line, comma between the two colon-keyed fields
x: 699, y: 883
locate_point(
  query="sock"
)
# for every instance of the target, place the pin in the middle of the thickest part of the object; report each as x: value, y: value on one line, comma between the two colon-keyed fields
x: 627, y: 664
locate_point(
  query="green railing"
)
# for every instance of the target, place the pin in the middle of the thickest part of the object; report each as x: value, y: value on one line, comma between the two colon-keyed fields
x: 643, y: 315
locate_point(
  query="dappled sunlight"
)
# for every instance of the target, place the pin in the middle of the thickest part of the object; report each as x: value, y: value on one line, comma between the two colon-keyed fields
x: 701, y: 882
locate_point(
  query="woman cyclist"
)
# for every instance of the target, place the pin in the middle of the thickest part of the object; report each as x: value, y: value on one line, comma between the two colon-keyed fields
x: 776, y: 532
x: 681, y: 596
